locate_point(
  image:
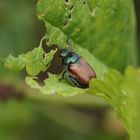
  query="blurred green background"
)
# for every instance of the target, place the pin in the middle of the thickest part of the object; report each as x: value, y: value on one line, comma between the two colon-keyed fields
x: 33, y: 117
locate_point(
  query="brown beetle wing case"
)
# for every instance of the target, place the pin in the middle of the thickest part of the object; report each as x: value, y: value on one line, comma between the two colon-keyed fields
x: 82, y: 72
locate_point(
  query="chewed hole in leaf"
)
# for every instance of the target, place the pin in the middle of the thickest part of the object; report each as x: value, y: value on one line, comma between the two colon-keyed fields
x: 48, y: 48
x: 67, y: 1
x: 55, y: 66
x: 62, y: 89
x: 65, y: 23
x: 47, y: 40
x: 69, y: 16
x: 39, y: 79
x: 43, y: 56
x: 71, y: 8
x: 84, y: 2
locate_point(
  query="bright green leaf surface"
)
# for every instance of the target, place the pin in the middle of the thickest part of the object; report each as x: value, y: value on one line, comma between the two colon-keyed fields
x: 105, y: 27
x: 14, y: 63
x: 54, y: 86
x: 35, y: 61
x: 121, y: 92
x: 103, y: 33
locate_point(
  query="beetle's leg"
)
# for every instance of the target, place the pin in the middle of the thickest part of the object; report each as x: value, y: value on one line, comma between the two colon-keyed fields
x: 74, y: 81
x: 63, y: 75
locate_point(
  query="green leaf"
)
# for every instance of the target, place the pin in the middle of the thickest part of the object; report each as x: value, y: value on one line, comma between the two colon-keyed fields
x: 99, y: 31
x: 122, y: 93
x: 53, y: 85
x: 105, y: 27
x: 14, y: 63
x: 50, y: 84
x: 131, y: 86
x: 35, y: 61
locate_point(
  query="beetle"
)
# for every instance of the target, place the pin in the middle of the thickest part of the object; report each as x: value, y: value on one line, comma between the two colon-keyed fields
x: 77, y: 71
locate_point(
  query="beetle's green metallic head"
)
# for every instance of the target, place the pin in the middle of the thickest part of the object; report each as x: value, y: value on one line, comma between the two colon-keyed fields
x: 68, y: 57
x: 64, y: 52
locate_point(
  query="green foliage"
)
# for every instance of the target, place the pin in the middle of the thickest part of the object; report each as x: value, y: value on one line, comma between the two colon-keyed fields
x: 35, y: 61
x: 103, y: 33
x: 62, y: 89
x: 104, y: 27
x: 122, y: 93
